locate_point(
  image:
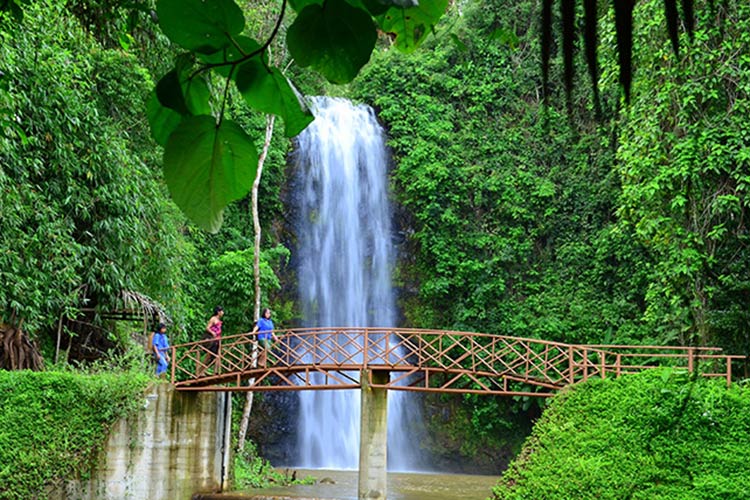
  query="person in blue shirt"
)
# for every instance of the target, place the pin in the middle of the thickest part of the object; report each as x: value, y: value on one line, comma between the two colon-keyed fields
x: 266, y: 336
x: 160, y: 346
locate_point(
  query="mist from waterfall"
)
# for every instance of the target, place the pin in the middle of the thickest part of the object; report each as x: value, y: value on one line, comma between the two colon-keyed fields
x: 345, y: 259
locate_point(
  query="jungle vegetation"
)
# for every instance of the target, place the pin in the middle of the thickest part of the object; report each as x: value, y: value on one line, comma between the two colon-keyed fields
x: 523, y: 219
x: 531, y: 218
x: 626, y: 227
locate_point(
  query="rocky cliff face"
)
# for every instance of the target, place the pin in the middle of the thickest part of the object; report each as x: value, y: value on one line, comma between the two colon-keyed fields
x: 455, y: 445
x: 273, y: 427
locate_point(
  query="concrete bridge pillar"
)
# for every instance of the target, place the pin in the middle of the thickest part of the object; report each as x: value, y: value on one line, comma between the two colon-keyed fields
x: 373, y: 437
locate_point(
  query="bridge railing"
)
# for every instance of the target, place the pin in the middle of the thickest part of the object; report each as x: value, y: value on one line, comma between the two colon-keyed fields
x: 426, y: 360
x: 706, y: 361
x: 491, y: 361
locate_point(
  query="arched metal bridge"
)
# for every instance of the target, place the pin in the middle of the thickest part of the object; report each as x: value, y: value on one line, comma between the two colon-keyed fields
x: 421, y: 360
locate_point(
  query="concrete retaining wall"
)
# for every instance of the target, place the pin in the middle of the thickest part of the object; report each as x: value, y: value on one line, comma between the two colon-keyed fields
x: 175, y: 446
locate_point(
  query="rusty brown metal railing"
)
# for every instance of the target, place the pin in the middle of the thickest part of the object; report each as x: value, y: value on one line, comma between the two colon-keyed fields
x: 423, y: 360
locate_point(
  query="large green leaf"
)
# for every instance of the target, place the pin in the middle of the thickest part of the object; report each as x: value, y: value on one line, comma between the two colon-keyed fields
x: 412, y: 25
x: 374, y: 7
x: 241, y: 47
x: 176, y: 95
x: 208, y: 166
x: 185, y: 91
x: 336, y: 39
x: 169, y: 92
x: 298, y: 5
x: 269, y: 91
x: 162, y: 119
x: 200, y: 25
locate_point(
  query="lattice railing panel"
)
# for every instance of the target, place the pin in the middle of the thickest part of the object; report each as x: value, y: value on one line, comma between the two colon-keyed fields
x: 426, y: 360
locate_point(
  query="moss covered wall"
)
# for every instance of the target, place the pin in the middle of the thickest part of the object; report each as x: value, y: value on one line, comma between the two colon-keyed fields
x: 175, y: 446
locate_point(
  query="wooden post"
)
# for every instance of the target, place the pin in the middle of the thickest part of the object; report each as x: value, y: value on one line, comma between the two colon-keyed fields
x: 364, y: 351
x: 729, y: 371
x: 59, y: 334
x: 373, y: 443
x: 217, y: 368
x: 585, y: 364
x: 173, y: 361
x: 571, y: 364
x: 528, y: 361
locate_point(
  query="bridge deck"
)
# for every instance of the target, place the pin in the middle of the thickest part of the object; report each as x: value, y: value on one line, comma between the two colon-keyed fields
x: 422, y: 360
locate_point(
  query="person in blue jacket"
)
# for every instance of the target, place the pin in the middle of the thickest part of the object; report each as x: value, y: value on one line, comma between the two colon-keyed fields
x: 160, y: 346
x: 266, y: 336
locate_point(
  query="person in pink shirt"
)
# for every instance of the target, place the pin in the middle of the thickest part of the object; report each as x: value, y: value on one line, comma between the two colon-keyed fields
x: 213, y: 333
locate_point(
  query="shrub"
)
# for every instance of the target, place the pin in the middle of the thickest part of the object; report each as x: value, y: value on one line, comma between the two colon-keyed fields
x: 253, y: 471
x: 656, y: 435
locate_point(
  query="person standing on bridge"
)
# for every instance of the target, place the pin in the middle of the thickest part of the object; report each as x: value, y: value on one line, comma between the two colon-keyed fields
x: 160, y: 346
x: 213, y: 333
x: 266, y: 337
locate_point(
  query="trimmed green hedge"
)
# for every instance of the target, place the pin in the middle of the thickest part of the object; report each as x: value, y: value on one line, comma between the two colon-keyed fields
x: 655, y: 435
x: 52, y: 424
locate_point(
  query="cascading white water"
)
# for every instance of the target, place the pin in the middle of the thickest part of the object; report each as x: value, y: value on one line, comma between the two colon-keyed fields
x: 345, y: 262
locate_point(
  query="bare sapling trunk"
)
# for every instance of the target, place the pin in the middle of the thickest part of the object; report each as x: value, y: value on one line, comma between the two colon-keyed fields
x: 244, y: 422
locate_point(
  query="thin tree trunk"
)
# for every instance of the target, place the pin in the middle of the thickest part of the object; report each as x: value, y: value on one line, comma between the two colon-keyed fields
x: 59, y: 334
x: 256, y: 270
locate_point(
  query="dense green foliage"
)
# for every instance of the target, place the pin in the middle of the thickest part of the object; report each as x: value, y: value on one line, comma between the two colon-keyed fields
x: 86, y: 214
x: 509, y: 205
x: 655, y: 435
x: 54, y: 424
x: 525, y: 221
x: 83, y: 211
x: 684, y: 164
x: 253, y: 471
x: 234, y: 289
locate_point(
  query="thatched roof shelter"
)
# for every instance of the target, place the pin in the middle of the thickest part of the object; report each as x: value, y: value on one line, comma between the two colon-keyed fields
x: 133, y: 306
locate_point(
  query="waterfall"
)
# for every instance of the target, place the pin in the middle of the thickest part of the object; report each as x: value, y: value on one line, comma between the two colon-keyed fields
x: 345, y: 259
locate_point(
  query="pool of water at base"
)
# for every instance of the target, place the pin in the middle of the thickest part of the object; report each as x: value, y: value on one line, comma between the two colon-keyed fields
x: 342, y: 485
